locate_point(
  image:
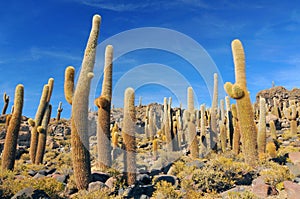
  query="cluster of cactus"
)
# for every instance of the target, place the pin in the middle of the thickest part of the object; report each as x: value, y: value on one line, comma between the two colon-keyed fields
x: 6, y: 101
x: 239, y: 91
x: 13, y: 123
x: 41, y: 120
x: 79, y: 99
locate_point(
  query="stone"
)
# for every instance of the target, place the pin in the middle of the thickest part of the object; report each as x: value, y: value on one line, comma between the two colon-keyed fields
x: 259, y: 188
x: 294, y: 169
x: 60, y: 177
x: 32, y: 172
x: 143, y: 179
x: 294, y: 157
x: 30, y: 193
x: 110, y: 182
x: 94, y: 186
x: 292, y: 189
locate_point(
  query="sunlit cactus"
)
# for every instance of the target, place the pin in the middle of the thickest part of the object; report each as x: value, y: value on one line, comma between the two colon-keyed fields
x: 261, y: 136
x: 59, y: 110
x: 10, y: 146
x: 128, y: 134
x: 6, y: 101
x: 42, y: 130
x: 239, y: 91
x: 79, y: 98
x: 273, y: 130
x: 104, y: 105
x: 291, y: 114
x: 213, y: 116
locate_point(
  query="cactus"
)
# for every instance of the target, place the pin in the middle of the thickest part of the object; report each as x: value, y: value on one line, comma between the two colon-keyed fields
x: 167, y: 128
x: 151, y: 125
x: 6, y: 101
x: 271, y: 149
x: 275, y: 110
x: 10, y: 145
x: 273, y: 130
x: 213, y: 116
x: 236, y: 130
x: 193, y: 141
x: 59, y: 110
x: 42, y: 130
x: 37, y: 122
x: 239, y: 92
x: 229, y: 123
x: 104, y: 104
x: 128, y: 134
x: 223, y: 136
x: 140, y: 101
x: 79, y: 99
x: 261, y: 136
x: 203, y: 129
x: 154, y: 148
x: 291, y: 114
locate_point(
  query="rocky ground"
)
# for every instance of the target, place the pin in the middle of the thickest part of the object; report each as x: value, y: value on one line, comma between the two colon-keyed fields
x: 169, y: 175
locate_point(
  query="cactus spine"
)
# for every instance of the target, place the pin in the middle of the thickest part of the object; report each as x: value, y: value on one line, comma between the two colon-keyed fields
x: 193, y: 141
x: 239, y: 92
x: 213, y: 116
x: 104, y: 105
x: 261, y: 136
x: 80, y: 100
x: 59, y: 110
x: 6, y: 101
x: 42, y: 130
x: 128, y: 134
x: 9, y: 151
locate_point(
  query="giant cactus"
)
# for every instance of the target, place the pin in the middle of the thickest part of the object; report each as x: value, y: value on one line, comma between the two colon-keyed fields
x: 261, y: 136
x: 79, y: 98
x: 236, y: 130
x: 193, y: 141
x: 166, y: 126
x: 229, y: 123
x: 37, y: 122
x: 104, y: 105
x: 6, y: 101
x: 213, y: 116
x: 10, y: 146
x: 291, y: 114
x: 239, y: 91
x: 128, y: 134
x: 42, y: 130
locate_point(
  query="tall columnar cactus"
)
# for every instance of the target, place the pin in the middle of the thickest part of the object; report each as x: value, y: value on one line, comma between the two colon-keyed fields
x: 151, y: 125
x: 10, y: 145
x: 6, y: 101
x: 275, y: 110
x: 104, y: 104
x: 222, y: 126
x: 229, y: 124
x: 273, y: 130
x: 37, y: 122
x: 291, y: 114
x: 203, y: 129
x: 175, y: 134
x: 213, y: 116
x: 193, y: 141
x: 239, y: 91
x: 59, y: 110
x: 128, y: 134
x: 79, y: 98
x: 236, y: 130
x: 155, y: 148
x: 167, y: 128
x: 42, y: 138
x: 261, y: 136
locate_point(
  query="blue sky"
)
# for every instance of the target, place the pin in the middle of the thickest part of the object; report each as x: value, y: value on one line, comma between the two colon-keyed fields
x: 39, y: 39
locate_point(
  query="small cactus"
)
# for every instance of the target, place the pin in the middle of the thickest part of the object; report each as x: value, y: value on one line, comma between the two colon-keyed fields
x: 59, y: 110
x: 239, y: 91
x: 273, y: 130
x: 154, y: 148
x: 271, y: 150
x: 6, y: 101
x: 128, y: 134
x: 10, y: 146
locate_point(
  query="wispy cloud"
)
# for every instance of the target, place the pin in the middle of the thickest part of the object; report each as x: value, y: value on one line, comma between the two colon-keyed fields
x: 37, y: 53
